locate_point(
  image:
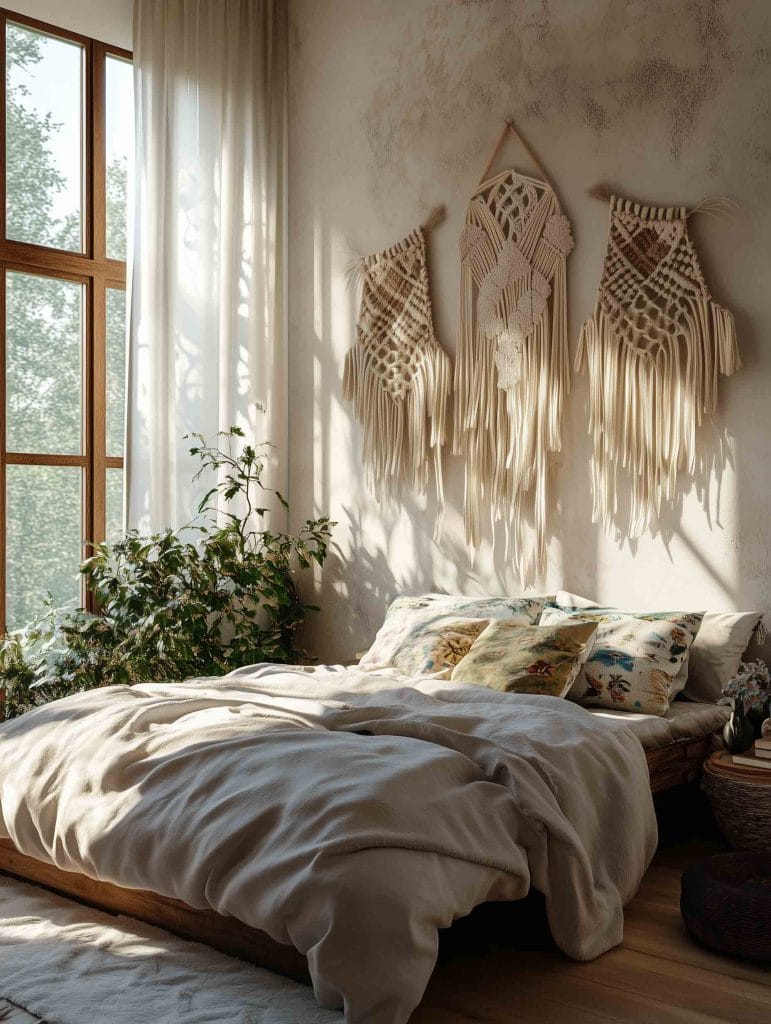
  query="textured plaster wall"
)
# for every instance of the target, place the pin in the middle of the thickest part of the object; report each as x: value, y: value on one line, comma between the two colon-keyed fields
x: 395, y: 105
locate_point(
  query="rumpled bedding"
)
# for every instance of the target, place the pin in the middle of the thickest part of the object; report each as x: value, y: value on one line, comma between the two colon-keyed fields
x: 342, y: 812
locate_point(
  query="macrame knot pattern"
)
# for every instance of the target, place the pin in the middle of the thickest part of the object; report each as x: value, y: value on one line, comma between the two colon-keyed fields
x: 511, y: 374
x: 397, y: 375
x: 654, y: 349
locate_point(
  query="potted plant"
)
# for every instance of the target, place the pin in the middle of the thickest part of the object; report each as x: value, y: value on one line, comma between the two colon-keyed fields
x: 749, y: 696
x: 218, y: 594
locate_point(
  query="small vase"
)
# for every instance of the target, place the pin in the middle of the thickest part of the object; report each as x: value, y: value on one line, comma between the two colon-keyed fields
x: 756, y: 717
x: 738, y: 732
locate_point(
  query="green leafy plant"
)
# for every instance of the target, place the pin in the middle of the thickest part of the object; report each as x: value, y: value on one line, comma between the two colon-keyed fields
x: 197, y: 602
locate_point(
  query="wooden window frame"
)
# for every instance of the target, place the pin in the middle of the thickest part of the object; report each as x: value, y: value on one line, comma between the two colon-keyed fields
x: 92, y: 268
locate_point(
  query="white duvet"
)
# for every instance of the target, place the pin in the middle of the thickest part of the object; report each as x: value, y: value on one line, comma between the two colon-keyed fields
x: 343, y: 812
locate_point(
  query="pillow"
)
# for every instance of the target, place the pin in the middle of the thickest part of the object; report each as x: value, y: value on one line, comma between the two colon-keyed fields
x: 716, y: 652
x: 526, y: 659
x: 634, y: 657
x: 680, y: 680
x: 413, y: 614
x: 435, y: 649
x: 565, y: 599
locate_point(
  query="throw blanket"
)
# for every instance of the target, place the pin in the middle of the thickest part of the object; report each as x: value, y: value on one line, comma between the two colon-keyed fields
x: 342, y: 812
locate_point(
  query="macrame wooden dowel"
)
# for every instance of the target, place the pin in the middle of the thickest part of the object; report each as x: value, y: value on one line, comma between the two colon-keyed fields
x: 715, y: 206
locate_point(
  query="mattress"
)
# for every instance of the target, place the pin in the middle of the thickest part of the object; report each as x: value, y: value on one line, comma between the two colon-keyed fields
x: 684, y: 720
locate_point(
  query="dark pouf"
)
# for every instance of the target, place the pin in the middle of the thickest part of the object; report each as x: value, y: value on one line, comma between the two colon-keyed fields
x: 726, y: 903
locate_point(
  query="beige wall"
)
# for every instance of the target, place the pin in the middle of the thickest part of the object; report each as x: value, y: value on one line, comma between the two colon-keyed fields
x: 395, y: 105
x: 110, y: 21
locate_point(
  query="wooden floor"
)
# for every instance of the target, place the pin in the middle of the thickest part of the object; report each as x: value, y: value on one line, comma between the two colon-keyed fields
x: 658, y: 976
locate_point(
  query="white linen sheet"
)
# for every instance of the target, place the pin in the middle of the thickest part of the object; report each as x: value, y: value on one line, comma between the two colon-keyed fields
x: 340, y: 811
x: 685, y: 720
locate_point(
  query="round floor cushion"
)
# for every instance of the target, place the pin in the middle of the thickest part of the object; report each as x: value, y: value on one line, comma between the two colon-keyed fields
x: 726, y: 903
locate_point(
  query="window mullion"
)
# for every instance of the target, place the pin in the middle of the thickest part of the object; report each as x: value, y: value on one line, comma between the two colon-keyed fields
x: 96, y: 389
x: 3, y: 574
x: 95, y: 132
x: 3, y: 100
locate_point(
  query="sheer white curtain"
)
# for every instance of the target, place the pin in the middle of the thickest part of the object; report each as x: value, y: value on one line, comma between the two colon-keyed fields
x: 207, y: 345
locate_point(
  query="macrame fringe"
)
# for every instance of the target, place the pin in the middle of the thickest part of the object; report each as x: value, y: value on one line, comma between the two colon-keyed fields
x: 398, y: 433
x: 397, y: 376
x: 509, y: 435
x: 354, y: 272
x: 645, y: 407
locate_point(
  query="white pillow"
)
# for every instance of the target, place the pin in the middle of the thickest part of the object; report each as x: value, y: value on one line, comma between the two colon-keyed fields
x: 716, y: 652
x: 565, y: 599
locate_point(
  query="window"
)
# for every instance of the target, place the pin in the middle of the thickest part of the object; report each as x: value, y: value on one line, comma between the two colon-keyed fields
x: 67, y: 110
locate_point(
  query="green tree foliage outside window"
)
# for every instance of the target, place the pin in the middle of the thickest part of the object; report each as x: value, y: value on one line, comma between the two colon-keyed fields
x: 44, y: 328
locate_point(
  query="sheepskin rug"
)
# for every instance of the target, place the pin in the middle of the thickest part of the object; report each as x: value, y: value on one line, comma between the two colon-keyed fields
x: 69, y: 964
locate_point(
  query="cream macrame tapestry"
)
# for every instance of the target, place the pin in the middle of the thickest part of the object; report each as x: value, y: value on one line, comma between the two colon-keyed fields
x: 653, y: 350
x: 511, y: 373
x: 396, y: 374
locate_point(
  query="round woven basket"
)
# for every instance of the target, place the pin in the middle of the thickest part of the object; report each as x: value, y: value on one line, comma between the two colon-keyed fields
x: 726, y: 903
x: 741, y: 802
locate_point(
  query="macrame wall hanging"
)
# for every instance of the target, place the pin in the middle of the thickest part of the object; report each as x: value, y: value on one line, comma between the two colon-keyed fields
x: 397, y: 375
x: 511, y: 373
x: 653, y: 350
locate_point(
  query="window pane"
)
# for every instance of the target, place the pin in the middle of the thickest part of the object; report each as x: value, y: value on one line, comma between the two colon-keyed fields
x: 114, y: 505
x: 116, y: 369
x: 120, y: 151
x: 44, y: 139
x: 44, y: 376
x: 43, y: 522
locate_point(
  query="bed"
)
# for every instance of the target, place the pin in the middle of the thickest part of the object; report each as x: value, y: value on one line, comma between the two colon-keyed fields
x: 529, y: 792
x: 677, y: 744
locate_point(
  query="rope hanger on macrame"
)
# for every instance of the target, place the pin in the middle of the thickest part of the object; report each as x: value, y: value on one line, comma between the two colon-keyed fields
x: 511, y: 373
x: 508, y: 126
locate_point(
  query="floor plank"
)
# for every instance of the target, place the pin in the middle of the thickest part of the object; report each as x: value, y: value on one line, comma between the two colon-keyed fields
x: 659, y: 975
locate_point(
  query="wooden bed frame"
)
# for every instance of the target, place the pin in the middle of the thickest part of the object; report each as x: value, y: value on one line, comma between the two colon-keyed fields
x: 677, y: 763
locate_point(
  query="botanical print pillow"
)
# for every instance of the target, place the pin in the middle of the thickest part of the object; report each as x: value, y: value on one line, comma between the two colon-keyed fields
x: 567, y: 600
x: 634, y: 657
x: 436, y: 649
x: 527, y: 659
x: 408, y: 615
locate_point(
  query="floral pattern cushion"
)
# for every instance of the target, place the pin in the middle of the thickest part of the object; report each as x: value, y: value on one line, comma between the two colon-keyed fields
x: 567, y: 600
x: 527, y: 659
x: 436, y: 649
x: 635, y: 657
x: 409, y: 616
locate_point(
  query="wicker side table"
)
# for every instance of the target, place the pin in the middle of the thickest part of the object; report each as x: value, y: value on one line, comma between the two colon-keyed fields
x: 741, y: 801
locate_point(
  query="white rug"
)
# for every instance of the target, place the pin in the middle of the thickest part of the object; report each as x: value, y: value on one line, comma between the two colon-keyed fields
x: 73, y: 965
